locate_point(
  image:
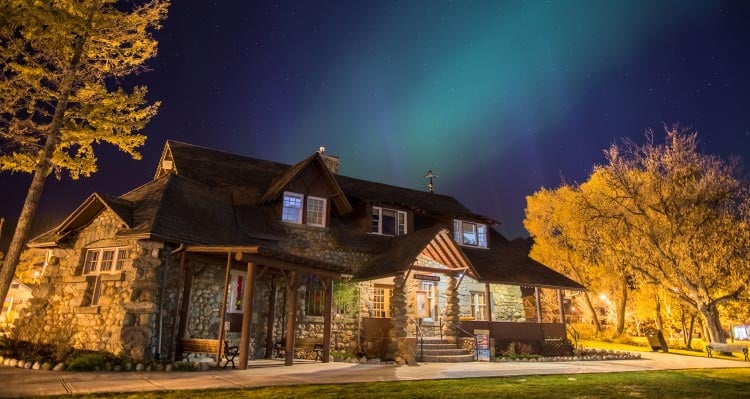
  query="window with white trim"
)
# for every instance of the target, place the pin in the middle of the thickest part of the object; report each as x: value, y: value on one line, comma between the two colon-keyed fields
x: 236, y: 291
x: 381, y: 301
x: 314, y: 297
x: 469, y: 233
x: 478, y: 305
x: 98, y: 262
x: 388, y: 222
x: 316, y: 211
x: 292, y: 208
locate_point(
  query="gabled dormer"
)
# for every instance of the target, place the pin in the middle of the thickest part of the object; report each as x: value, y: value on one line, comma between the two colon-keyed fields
x: 471, y: 233
x: 166, y: 163
x: 306, y: 192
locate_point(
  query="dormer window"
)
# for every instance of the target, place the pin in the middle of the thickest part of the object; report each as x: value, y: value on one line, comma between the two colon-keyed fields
x: 470, y: 234
x: 388, y: 222
x: 315, y: 209
x: 292, y: 208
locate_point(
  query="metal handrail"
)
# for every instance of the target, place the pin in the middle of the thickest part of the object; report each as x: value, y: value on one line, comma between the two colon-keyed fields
x: 459, y: 329
x: 420, y: 337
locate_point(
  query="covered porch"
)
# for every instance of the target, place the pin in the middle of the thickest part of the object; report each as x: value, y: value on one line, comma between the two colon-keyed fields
x: 259, y: 292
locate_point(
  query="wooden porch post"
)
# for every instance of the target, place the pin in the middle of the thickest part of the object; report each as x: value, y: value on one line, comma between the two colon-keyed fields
x: 271, y: 319
x: 180, y: 283
x: 247, y: 314
x: 538, y: 300
x: 562, y: 306
x: 327, y: 310
x: 223, y: 309
x: 487, y: 302
x: 291, y: 318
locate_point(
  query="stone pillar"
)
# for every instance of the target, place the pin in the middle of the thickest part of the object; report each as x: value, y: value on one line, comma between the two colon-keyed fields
x: 452, y: 309
x: 398, y: 318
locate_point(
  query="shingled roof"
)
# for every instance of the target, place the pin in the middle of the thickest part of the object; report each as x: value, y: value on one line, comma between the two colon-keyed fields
x: 509, y: 263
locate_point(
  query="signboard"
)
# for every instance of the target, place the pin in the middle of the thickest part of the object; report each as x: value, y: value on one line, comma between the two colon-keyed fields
x: 483, y: 345
x: 427, y: 277
x: 421, y: 308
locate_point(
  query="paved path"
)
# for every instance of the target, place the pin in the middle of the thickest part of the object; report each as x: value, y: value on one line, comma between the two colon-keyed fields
x: 20, y: 382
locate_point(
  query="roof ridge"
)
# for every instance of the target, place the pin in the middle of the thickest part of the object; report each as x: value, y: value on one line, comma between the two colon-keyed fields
x: 224, y: 152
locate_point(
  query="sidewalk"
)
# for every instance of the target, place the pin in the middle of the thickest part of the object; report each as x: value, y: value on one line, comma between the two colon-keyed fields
x: 21, y: 382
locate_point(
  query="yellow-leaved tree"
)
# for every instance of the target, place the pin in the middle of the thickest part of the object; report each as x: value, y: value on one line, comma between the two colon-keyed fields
x: 61, y: 65
x: 668, y: 215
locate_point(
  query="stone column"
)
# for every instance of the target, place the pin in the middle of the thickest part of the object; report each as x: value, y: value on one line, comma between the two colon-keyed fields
x: 397, y: 334
x: 452, y: 309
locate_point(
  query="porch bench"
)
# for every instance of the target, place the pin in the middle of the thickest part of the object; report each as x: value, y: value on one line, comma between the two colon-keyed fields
x: 303, y: 348
x: 729, y: 348
x: 210, y: 347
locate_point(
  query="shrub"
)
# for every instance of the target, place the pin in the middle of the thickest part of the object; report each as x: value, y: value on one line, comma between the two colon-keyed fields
x: 516, y: 349
x: 89, y: 361
x: 184, y: 366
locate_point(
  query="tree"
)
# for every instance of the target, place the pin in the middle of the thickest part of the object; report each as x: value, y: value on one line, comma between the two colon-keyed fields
x: 61, y: 65
x: 673, y: 217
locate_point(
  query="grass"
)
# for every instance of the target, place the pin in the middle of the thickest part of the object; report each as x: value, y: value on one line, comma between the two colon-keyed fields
x: 642, y: 346
x: 700, y: 383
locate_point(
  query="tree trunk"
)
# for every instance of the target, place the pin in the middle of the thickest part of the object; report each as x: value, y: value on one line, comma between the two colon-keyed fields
x: 690, y: 332
x: 710, y: 316
x: 39, y: 176
x: 621, y: 302
x: 657, y: 315
x: 592, y: 312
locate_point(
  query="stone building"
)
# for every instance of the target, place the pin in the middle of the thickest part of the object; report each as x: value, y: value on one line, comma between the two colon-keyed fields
x: 272, y: 257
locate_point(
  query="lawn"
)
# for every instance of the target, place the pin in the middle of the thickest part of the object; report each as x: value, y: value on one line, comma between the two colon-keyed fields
x: 642, y: 346
x: 701, y: 383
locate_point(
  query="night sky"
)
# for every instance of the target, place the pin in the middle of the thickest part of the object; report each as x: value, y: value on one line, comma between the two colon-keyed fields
x: 498, y: 98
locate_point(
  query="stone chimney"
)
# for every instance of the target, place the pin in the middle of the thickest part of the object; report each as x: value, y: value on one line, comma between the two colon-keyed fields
x: 332, y: 162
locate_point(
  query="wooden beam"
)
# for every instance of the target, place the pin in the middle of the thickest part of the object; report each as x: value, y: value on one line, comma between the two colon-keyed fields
x: 271, y: 318
x: 208, y: 249
x: 247, y: 315
x: 561, y: 302
x: 488, y: 302
x: 279, y: 264
x: 327, y: 310
x: 180, y: 282
x: 449, y: 272
x: 224, y: 308
x: 538, y: 300
x: 291, y: 318
x: 185, y: 305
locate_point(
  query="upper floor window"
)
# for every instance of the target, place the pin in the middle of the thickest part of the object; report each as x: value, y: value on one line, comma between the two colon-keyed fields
x: 292, y: 208
x: 388, y: 222
x: 316, y: 211
x: 470, y: 234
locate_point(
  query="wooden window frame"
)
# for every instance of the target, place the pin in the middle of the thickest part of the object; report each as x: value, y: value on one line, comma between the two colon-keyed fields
x: 400, y: 226
x: 480, y: 232
x: 323, y: 211
x: 286, y: 215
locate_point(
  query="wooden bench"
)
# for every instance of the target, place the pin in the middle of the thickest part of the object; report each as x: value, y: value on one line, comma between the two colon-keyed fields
x: 210, y: 347
x: 303, y: 348
x: 728, y: 348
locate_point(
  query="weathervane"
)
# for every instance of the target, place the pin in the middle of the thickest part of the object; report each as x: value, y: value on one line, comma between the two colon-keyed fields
x: 430, y: 176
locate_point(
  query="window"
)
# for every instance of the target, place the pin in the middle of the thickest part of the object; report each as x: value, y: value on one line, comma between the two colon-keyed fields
x: 381, y: 301
x: 316, y: 211
x: 314, y: 297
x: 470, y: 234
x: 96, y: 263
x: 388, y: 222
x: 236, y: 291
x: 292, y: 208
x: 478, y: 306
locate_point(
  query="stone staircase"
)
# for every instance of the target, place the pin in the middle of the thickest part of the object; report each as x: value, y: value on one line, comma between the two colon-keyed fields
x: 438, y: 350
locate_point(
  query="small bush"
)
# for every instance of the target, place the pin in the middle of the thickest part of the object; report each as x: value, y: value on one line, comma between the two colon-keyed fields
x: 88, y: 362
x: 516, y: 349
x: 184, y: 366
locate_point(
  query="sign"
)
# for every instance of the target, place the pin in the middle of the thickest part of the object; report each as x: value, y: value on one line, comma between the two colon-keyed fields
x: 427, y: 277
x: 741, y: 333
x: 482, y: 349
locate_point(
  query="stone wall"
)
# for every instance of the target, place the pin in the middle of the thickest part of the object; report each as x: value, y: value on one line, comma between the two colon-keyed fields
x: 124, y: 321
x: 507, y: 302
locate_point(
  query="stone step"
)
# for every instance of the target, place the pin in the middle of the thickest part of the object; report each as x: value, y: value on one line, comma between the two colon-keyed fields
x: 443, y: 352
x: 437, y: 346
x: 447, y: 358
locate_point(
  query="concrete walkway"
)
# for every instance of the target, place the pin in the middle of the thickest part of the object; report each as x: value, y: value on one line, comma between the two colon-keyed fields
x: 20, y: 382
